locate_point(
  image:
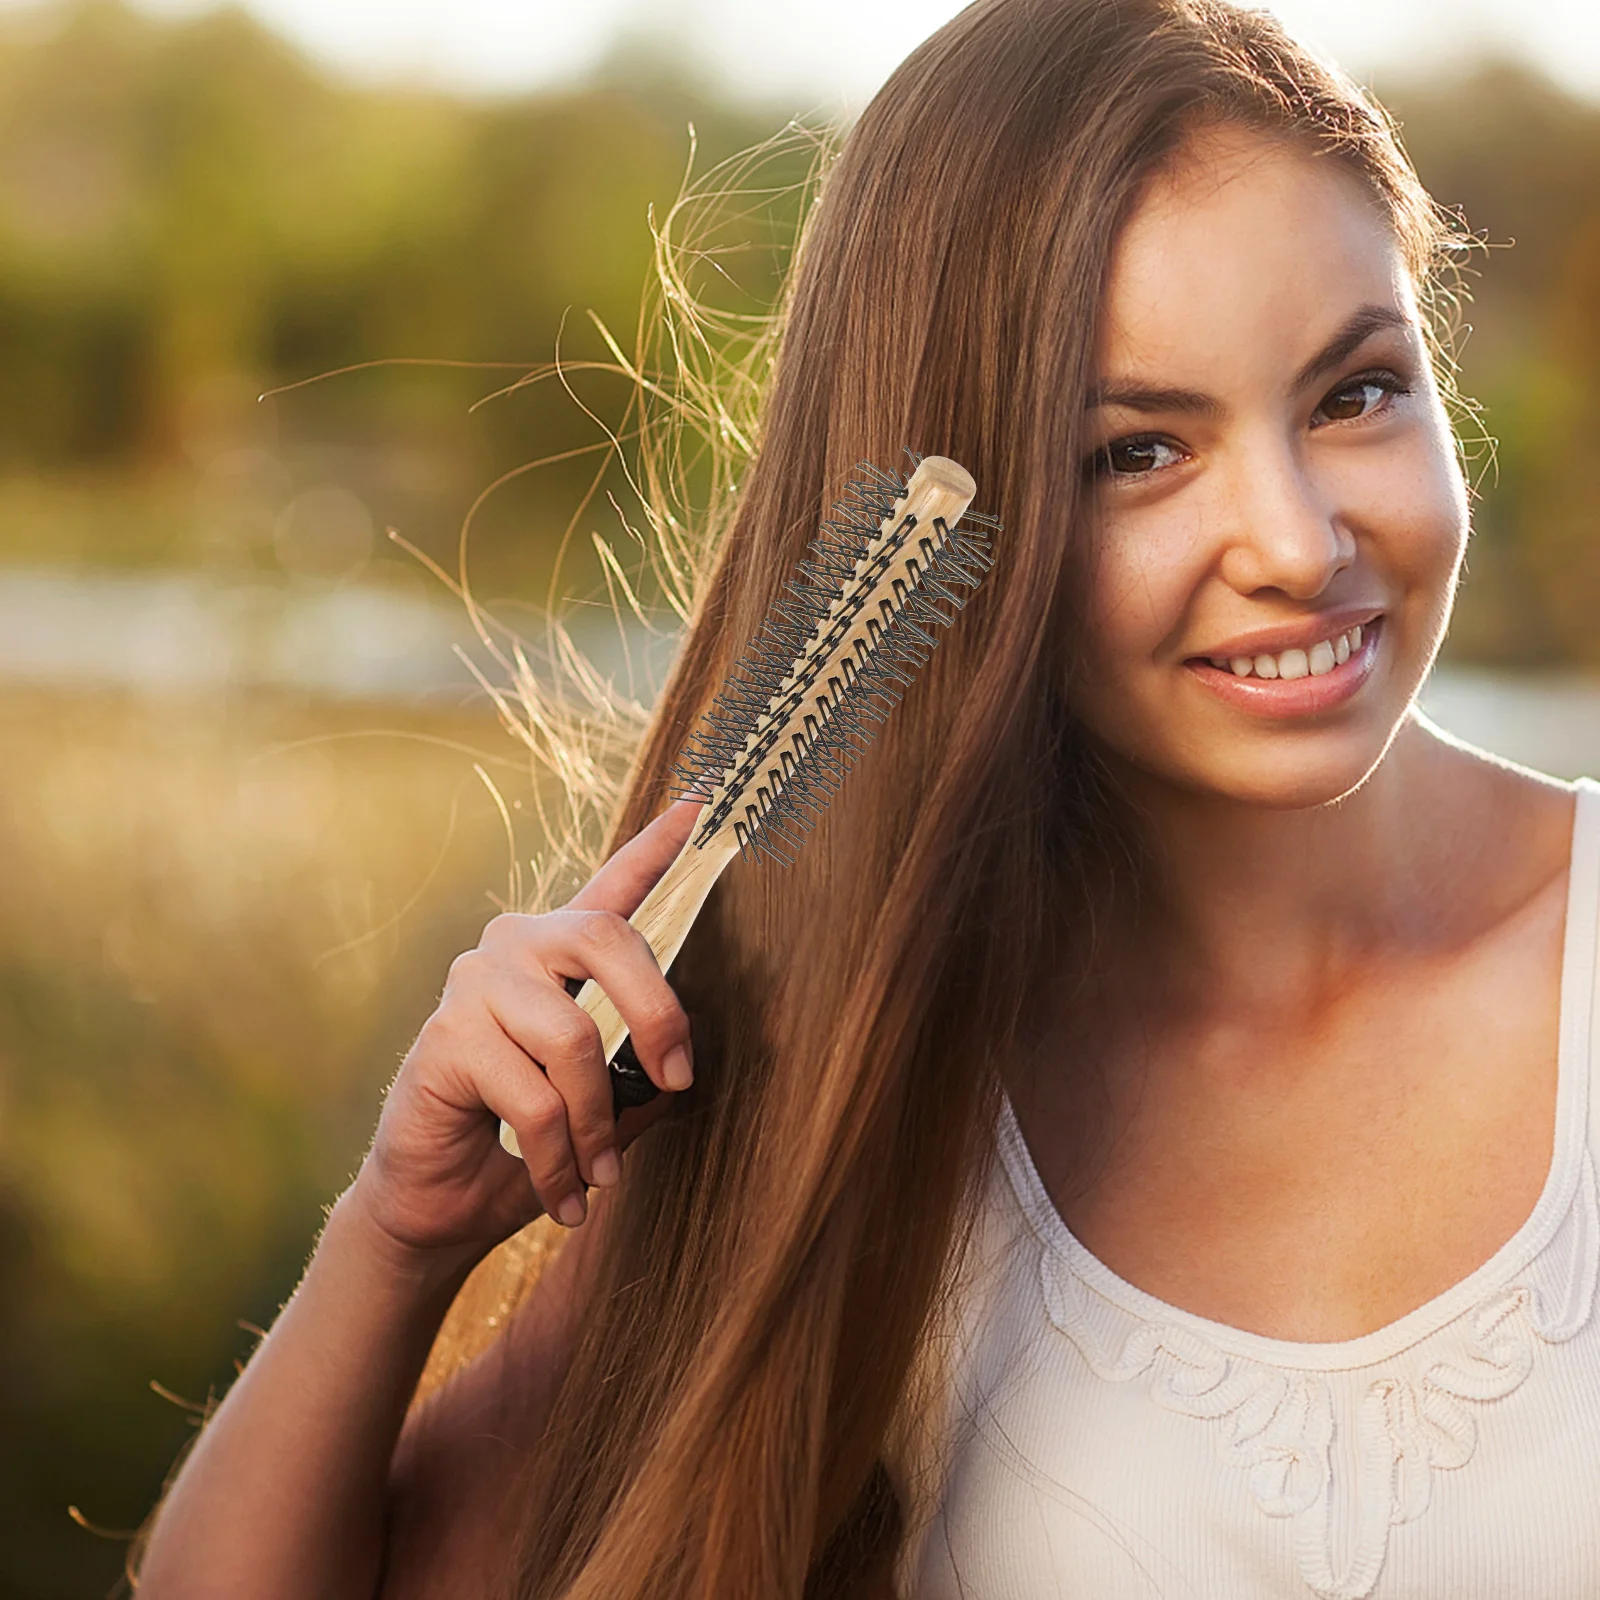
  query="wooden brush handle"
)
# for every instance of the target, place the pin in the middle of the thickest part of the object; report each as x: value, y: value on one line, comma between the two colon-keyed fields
x: 664, y: 918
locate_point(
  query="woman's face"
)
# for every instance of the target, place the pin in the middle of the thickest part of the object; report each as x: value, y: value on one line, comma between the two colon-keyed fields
x: 1281, y: 514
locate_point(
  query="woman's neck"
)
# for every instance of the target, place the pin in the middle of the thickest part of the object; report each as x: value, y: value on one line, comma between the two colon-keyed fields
x: 1279, y: 909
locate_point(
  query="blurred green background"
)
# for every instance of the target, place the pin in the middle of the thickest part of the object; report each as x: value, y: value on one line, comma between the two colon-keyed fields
x: 240, y: 829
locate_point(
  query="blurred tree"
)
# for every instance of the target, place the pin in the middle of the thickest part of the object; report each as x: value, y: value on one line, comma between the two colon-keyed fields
x: 191, y: 214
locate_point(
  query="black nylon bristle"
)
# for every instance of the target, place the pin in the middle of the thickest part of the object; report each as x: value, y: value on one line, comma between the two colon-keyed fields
x: 860, y: 690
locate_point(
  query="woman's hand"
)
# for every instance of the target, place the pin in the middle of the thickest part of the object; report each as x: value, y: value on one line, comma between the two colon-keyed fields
x: 507, y: 1040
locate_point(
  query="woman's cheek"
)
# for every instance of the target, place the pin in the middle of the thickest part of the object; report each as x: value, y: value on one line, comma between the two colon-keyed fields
x: 1146, y: 575
x: 1444, y: 518
x: 1416, y: 519
x: 1422, y: 488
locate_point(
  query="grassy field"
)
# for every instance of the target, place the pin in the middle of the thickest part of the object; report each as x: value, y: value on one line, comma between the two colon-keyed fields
x: 222, y: 922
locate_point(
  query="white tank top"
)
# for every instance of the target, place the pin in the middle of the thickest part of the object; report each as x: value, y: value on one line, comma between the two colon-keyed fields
x: 1094, y: 1443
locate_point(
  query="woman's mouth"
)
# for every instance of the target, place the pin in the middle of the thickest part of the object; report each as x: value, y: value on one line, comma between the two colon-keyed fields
x: 1297, y: 681
x: 1322, y: 658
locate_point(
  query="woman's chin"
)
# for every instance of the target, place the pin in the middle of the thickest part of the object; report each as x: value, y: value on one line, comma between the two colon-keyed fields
x: 1298, y: 775
x: 1304, y: 792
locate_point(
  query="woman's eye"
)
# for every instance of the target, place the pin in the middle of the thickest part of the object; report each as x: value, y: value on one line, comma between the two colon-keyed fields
x: 1135, y: 457
x: 1360, y: 398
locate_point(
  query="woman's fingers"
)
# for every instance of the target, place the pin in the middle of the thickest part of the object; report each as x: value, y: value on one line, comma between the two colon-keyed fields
x: 547, y: 1026
x: 605, y: 946
x: 530, y: 1103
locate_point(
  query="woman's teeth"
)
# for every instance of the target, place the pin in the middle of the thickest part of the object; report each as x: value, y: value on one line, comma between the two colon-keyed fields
x: 1319, y: 660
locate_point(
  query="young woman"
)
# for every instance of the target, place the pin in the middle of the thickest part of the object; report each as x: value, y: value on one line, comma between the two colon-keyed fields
x: 1142, y: 1146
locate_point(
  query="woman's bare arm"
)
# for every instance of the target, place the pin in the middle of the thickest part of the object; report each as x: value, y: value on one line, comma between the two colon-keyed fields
x: 283, y: 1493
x: 317, y: 1482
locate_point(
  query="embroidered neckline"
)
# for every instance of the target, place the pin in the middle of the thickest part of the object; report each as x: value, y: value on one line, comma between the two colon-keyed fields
x: 1278, y: 1424
x: 1276, y: 1400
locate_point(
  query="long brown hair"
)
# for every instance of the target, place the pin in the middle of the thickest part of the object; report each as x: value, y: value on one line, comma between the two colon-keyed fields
x: 779, y: 1246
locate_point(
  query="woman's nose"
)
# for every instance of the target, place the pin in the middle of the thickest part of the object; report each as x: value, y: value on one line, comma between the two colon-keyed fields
x: 1283, y: 532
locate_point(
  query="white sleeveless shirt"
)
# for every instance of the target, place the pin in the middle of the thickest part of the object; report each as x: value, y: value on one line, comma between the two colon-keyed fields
x: 1094, y: 1443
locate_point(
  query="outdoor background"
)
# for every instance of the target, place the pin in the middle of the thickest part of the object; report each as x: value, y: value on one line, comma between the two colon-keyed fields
x: 241, y: 834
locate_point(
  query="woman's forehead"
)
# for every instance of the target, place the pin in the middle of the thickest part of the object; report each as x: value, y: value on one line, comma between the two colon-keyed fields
x: 1247, y: 240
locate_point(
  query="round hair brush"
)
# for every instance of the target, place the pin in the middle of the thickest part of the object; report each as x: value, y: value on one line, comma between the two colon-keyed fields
x: 833, y: 655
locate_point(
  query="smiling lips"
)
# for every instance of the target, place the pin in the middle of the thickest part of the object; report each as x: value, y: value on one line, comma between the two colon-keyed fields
x: 1298, y: 681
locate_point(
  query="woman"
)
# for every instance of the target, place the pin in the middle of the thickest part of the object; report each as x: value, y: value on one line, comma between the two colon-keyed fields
x: 1140, y: 1147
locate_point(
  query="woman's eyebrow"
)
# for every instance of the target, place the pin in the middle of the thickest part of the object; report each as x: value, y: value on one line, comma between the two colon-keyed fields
x: 1142, y: 397
x: 1358, y: 328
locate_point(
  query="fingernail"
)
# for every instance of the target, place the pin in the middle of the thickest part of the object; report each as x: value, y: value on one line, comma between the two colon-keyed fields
x: 606, y: 1168
x: 572, y: 1210
x: 676, y: 1069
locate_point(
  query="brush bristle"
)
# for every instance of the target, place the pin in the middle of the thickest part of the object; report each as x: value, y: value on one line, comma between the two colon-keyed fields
x: 720, y: 764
